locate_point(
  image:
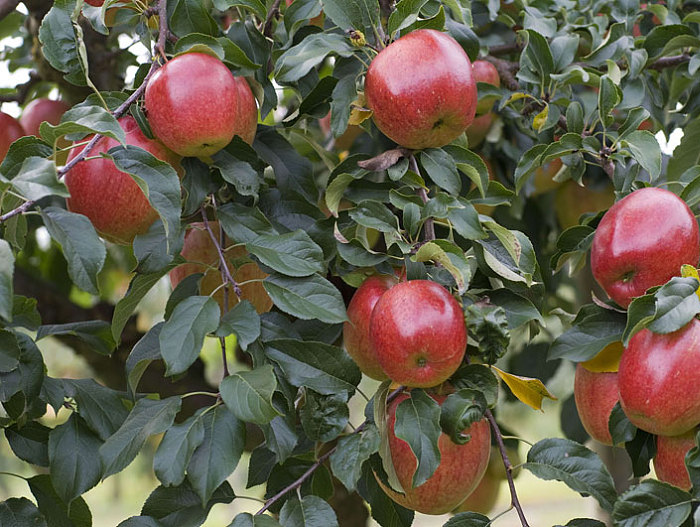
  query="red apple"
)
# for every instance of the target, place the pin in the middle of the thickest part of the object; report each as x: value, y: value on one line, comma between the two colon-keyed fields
x: 642, y: 241
x: 195, y: 105
x: 95, y: 3
x: 484, y: 497
x: 479, y: 129
x: 486, y: 72
x: 659, y: 390
x: 669, y: 463
x: 596, y: 394
x: 115, y: 204
x: 10, y: 131
x: 356, y: 329
x: 418, y: 333
x: 200, y: 251
x: 40, y: 110
x: 460, y: 470
x: 421, y: 90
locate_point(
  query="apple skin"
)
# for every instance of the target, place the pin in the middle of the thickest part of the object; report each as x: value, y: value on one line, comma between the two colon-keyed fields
x: 199, y: 250
x: 111, y: 199
x: 572, y: 200
x: 460, y: 470
x: 595, y: 393
x: 421, y: 90
x: 418, y: 333
x: 10, y: 131
x: 543, y: 178
x: 483, y: 498
x: 95, y: 3
x: 40, y: 110
x: 669, y: 462
x: 479, y: 129
x: 356, y: 329
x: 659, y: 391
x: 486, y: 72
x: 631, y: 250
x: 195, y: 105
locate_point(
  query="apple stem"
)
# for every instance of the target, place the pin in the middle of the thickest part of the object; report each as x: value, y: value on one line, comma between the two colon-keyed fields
x: 429, y: 225
x: 508, y: 466
x: 222, y: 340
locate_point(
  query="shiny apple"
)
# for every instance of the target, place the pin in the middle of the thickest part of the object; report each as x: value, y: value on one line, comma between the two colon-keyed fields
x: 595, y: 393
x: 10, y: 131
x: 485, y: 72
x: 669, y: 462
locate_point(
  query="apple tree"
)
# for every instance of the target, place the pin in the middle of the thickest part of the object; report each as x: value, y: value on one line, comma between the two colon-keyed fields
x: 415, y: 192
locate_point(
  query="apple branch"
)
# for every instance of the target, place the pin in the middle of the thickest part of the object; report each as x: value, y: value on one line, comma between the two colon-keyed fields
x: 7, y: 7
x: 223, y: 265
x: 22, y: 90
x: 272, y: 13
x: 429, y: 225
x: 505, y: 69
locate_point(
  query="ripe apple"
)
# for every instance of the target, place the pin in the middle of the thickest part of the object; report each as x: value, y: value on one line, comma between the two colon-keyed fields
x: 356, y: 329
x: 111, y: 199
x: 460, y: 470
x: 642, y: 241
x: 596, y: 394
x: 669, y: 463
x: 484, y: 497
x: 10, y: 131
x: 199, y: 250
x: 421, y: 90
x: 40, y: 110
x: 195, y: 105
x: 659, y: 391
x: 486, y: 72
x: 418, y: 333
x: 315, y: 21
x: 479, y: 129
x: 346, y: 139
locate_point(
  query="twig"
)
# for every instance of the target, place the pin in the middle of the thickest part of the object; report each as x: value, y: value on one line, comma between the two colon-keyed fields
x: 163, y: 29
x: 506, y: 49
x: 429, y: 225
x: 7, y: 7
x: 509, y: 468
x: 505, y: 71
x: 23, y: 89
x: 669, y: 62
x: 272, y: 13
x: 223, y: 264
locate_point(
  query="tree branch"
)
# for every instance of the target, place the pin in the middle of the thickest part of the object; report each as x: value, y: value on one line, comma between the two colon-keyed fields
x: 505, y: 69
x: 669, y: 62
x: 429, y: 225
x: 272, y: 13
x: 223, y: 265
x: 506, y: 49
x: 7, y: 7
x: 23, y: 89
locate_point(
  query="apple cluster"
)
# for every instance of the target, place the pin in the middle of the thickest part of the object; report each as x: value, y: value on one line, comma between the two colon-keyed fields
x: 642, y: 242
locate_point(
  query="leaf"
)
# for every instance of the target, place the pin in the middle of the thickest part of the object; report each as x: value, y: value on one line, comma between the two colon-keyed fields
x: 374, y: 215
x: 74, y: 461
x: 468, y: 519
x: 351, y: 453
x: 306, y: 298
x: 645, y: 150
x: 83, y: 250
x: 578, y: 467
x: 182, y: 336
x: 292, y: 254
x: 311, y: 511
x: 142, y: 354
x: 100, y: 407
x: 323, y: 368
x: 84, y: 119
x: 324, y: 418
x: 357, y: 14
x: 96, y: 333
x: 7, y: 270
x: 237, y: 172
x: 519, y: 310
x: 191, y: 16
x: 594, y: 329
x: 459, y: 411
x: 28, y: 376
x: 246, y: 519
x: 479, y: 378
x: 60, y: 44
x: 140, y: 521
x: 384, y: 510
x: 20, y: 512
x: 248, y: 394
x: 537, y: 52
x: 620, y: 427
x: 609, y: 96
x: 57, y: 512
x: 435, y: 251
x: 243, y: 321
x: 218, y: 454
x: 527, y: 390
x: 405, y: 14
x: 243, y: 224
x: 147, y: 418
x: 175, y: 450
x: 280, y: 438
x: 441, y: 168
x: 676, y: 305
x: 488, y: 325
x: 686, y: 154
x: 298, y: 60
x: 37, y: 179
x: 652, y: 503
x: 181, y: 507
x: 30, y: 442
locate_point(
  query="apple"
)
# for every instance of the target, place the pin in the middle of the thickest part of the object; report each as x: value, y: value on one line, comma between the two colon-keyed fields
x: 632, y: 249
x: 486, y: 72
x: 356, y: 329
x: 572, y: 200
x: 421, y: 90
x: 10, y: 131
x: 459, y: 472
x: 346, y: 139
x: 479, y: 129
x: 315, y: 21
x: 40, y: 110
x: 418, y: 333
x: 596, y: 394
x: 195, y: 105
x: 111, y: 199
x: 669, y: 462
x: 659, y: 391
x: 543, y: 178
x: 200, y: 252
x: 484, y: 497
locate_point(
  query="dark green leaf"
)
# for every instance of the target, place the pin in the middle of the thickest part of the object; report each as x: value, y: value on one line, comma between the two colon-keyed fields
x: 441, y: 168
x: 96, y: 333
x: 652, y: 503
x: 7, y: 269
x: 351, y: 453
x: 479, y: 378
x: 311, y: 511
x: 468, y: 519
x: 191, y: 16
x: 292, y: 254
x: 143, y: 353
x: 84, y: 120
x: 306, y: 298
x: 20, y: 512
x: 175, y: 450
x: 298, y: 60
x: 358, y: 14
x: 645, y: 150
x: 61, y: 46
x: 621, y: 429
x: 246, y: 519
x: 248, y: 394
x: 57, y: 512
x: 100, y: 407
x: 9, y: 351
x: 686, y: 154
x: 181, y: 507
x: 324, y: 417
x: 244, y: 224
x: 37, y: 179
x: 243, y: 321
x: 30, y: 443
x: 384, y: 510
x: 593, y: 329
x: 459, y: 411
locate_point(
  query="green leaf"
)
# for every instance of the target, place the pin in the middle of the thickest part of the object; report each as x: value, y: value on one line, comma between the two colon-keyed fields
x: 459, y: 411
x: 592, y: 330
x: 28, y: 376
x: 7, y: 270
x: 147, y: 418
x: 578, y: 467
x: 182, y: 336
x: 216, y: 457
x: 519, y: 310
x: 323, y: 368
x: 468, y: 519
x: 384, y: 510
x: 480, y: 378
x: 244, y: 224
x: 292, y: 254
x: 199, y: 43
x: 100, y: 407
x: 405, y: 14
x: 60, y: 44
x: 248, y: 394
x: 191, y: 16
x: 83, y: 250
x: 306, y: 298
x: 86, y: 119
x: 441, y: 168
x: 645, y: 150
x: 243, y: 321
x: 686, y: 154
x: 20, y: 512
x: 351, y: 453
x: 237, y: 172
x: 96, y: 333
x: 56, y: 511
x: 538, y: 54
x: 676, y: 305
x: 489, y: 327
x: 311, y: 511
x: 298, y: 60
x: 74, y: 460
x: 37, y: 179
x: 181, y: 507
x: 140, y: 521
x: 146, y: 350
x: 620, y: 427
x: 246, y: 519
x: 652, y: 503
x: 324, y: 417
x: 280, y: 438
x: 175, y: 450
x: 30, y: 442
x: 609, y: 96
x: 431, y: 251
x: 374, y: 215
x: 356, y: 14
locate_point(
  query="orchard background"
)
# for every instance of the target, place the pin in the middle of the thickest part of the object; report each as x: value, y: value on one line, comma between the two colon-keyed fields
x: 117, y: 407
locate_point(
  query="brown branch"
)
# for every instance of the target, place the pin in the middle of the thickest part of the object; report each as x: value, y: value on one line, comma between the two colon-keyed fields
x: 274, y: 12
x: 429, y: 225
x: 223, y: 265
x: 506, y: 49
x: 505, y: 69
x: 22, y: 90
x: 7, y: 7
x: 669, y: 62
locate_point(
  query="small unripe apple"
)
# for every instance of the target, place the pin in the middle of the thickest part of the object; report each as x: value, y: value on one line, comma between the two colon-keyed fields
x: 486, y: 72
x: 595, y: 393
x: 669, y: 462
x: 195, y: 105
x: 543, y: 178
x: 659, y: 391
x: 460, y: 470
x: 642, y: 241
x: 484, y: 497
x: 418, y: 333
x: 572, y: 200
x: 199, y: 250
x: 421, y: 90
x: 356, y: 329
x: 10, y: 131
x: 111, y: 199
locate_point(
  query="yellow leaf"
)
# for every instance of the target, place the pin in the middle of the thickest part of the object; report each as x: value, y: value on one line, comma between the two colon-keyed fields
x: 359, y: 116
x: 688, y: 271
x: 530, y: 391
x: 608, y: 360
x: 541, y: 119
x: 517, y: 97
x: 433, y: 252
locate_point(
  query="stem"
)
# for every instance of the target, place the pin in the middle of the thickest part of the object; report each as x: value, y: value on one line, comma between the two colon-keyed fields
x: 192, y: 394
x: 3, y: 473
x: 429, y: 225
x: 222, y: 340
x: 223, y: 265
x: 509, y: 468
x: 267, y: 25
